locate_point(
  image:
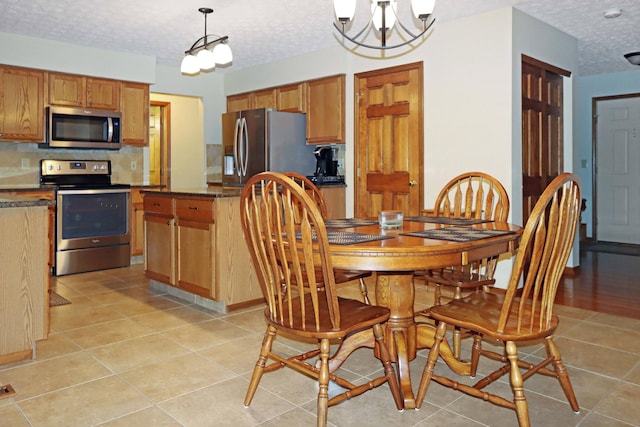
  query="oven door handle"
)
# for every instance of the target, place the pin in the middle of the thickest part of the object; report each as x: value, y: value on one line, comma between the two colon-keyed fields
x: 93, y: 191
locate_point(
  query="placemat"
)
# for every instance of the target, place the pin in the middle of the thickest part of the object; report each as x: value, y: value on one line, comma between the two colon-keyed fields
x: 347, y: 237
x: 348, y: 222
x: 458, y: 234
x: 446, y: 220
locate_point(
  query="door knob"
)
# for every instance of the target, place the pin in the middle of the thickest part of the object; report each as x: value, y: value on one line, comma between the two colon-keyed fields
x: 412, y: 183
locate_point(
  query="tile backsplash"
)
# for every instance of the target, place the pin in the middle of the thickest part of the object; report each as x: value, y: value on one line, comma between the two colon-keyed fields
x: 20, y: 162
x: 214, y: 162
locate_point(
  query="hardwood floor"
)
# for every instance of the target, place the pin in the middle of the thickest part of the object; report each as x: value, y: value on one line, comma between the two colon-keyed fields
x: 606, y: 283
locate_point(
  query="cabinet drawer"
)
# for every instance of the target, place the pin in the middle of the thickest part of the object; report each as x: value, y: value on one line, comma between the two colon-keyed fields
x: 158, y: 204
x: 195, y: 209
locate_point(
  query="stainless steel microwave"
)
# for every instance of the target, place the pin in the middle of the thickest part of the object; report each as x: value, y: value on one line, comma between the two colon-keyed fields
x: 69, y: 127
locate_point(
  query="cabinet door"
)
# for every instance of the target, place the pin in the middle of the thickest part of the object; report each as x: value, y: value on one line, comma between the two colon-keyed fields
x: 135, y: 113
x: 291, y: 98
x: 21, y: 104
x: 240, y: 102
x: 335, y: 199
x: 103, y: 93
x: 195, y: 263
x: 325, y: 110
x: 159, y: 248
x: 264, y: 99
x: 67, y: 89
x: 137, y: 223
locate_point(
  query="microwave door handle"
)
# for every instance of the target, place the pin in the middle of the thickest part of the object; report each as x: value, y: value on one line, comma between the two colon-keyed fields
x: 245, y: 140
x: 241, y: 149
x: 236, y: 135
x: 109, y: 129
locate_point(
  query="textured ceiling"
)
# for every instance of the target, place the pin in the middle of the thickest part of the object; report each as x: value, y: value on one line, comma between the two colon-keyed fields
x: 261, y: 31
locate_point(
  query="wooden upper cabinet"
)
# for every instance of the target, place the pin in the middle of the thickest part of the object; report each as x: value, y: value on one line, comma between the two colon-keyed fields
x: 22, y: 104
x: 264, y: 99
x: 79, y: 91
x: 325, y: 110
x: 239, y: 102
x: 134, y: 107
x: 103, y: 93
x: 321, y: 99
x: 291, y: 98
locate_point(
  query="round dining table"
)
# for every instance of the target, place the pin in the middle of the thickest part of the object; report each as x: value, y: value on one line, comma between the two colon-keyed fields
x: 395, y: 259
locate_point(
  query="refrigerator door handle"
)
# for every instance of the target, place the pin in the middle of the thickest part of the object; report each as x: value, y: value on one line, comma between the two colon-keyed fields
x: 235, y: 146
x: 245, y: 140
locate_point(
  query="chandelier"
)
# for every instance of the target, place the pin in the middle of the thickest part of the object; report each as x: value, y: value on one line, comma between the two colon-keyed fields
x: 383, y: 18
x: 199, y: 57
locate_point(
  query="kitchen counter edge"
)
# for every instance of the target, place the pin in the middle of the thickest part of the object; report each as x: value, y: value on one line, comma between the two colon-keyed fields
x: 9, y: 201
x: 210, y: 192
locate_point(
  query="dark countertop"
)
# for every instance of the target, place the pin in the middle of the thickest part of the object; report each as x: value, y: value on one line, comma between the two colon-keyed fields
x: 8, y: 201
x: 216, y: 191
x: 26, y: 187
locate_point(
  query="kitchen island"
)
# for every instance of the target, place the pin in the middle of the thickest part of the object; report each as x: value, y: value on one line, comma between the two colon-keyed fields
x: 194, y: 248
x: 24, y: 282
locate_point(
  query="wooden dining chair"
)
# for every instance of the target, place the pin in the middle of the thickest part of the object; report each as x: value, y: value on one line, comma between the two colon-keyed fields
x: 524, y: 312
x: 341, y: 276
x: 473, y: 195
x: 288, y: 242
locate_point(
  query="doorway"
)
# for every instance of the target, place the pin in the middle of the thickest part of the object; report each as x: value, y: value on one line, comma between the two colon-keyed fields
x: 616, y: 152
x: 389, y: 122
x: 159, y: 143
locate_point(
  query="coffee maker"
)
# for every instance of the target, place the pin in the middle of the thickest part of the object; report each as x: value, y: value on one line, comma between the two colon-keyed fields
x: 326, y: 161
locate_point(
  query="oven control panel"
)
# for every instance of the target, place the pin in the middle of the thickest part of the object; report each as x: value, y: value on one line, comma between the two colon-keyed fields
x: 75, y: 167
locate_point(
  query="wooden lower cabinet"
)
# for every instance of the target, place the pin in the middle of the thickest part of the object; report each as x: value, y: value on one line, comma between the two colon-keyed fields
x: 237, y: 283
x: 24, y: 282
x: 51, y: 219
x: 335, y: 199
x: 199, y: 248
x: 137, y: 223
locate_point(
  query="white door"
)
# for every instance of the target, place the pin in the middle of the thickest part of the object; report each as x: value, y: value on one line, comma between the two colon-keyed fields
x: 618, y: 170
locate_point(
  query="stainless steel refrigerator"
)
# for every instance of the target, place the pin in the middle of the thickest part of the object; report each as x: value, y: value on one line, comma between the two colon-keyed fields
x: 258, y: 140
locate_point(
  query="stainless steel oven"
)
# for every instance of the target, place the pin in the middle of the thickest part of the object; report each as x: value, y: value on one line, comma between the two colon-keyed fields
x: 92, y: 216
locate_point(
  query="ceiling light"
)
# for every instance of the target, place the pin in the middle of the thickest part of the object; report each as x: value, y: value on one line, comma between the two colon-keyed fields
x: 383, y: 19
x: 633, y: 58
x: 199, y: 57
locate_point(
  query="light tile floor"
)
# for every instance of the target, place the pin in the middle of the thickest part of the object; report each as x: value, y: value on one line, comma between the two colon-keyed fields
x: 124, y: 355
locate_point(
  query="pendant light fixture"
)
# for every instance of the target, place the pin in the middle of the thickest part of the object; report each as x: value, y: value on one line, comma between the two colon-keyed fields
x: 383, y: 19
x: 199, y: 57
x: 633, y: 58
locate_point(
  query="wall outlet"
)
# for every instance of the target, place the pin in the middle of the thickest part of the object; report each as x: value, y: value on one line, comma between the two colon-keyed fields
x: 134, y: 165
x: 25, y: 164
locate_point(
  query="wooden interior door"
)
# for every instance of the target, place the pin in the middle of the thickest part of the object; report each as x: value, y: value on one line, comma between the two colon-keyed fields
x: 542, y: 129
x: 389, y: 140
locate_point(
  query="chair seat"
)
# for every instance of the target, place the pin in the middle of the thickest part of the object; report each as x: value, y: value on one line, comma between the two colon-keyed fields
x: 480, y: 311
x: 459, y: 278
x: 354, y: 316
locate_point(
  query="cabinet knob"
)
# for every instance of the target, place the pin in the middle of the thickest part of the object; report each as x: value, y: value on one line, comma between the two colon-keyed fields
x: 412, y: 183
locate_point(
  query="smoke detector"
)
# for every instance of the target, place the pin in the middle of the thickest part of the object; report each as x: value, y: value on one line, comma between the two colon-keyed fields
x: 612, y: 13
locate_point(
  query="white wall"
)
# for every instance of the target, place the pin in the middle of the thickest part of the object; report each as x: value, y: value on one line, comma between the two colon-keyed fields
x: 43, y: 54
